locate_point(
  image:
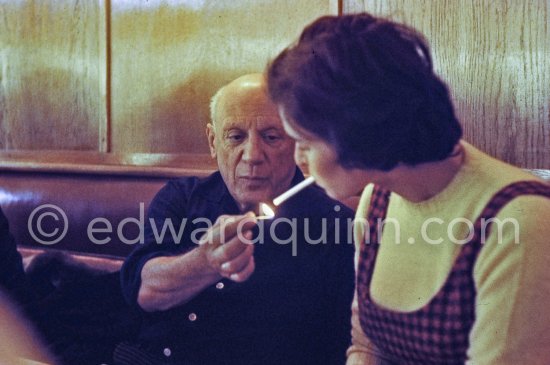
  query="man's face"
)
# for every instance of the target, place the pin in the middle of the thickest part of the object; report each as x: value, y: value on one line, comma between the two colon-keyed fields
x: 254, y: 154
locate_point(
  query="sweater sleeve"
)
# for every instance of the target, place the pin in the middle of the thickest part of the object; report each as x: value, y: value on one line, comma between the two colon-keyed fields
x: 512, y: 279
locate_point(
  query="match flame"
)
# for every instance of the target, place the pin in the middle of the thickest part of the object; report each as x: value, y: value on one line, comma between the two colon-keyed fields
x: 266, y: 211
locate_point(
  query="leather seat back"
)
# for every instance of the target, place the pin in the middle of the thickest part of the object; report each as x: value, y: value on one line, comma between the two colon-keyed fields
x: 90, y: 214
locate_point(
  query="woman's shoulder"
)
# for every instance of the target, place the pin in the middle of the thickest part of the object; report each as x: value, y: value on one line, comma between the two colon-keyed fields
x: 491, y: 173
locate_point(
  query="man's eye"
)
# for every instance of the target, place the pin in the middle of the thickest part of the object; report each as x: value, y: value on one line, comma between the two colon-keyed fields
x: 235, y: 137
x: 272, y: 137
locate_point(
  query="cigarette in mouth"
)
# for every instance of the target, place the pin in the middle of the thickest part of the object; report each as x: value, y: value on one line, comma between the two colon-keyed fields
x: 268, y: 211
x: 293, y: 191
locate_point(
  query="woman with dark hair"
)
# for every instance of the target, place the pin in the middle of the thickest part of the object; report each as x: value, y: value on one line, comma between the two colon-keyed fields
x: 452, y: 260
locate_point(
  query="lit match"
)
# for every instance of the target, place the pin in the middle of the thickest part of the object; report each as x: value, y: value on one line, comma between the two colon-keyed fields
x: 268, y: 212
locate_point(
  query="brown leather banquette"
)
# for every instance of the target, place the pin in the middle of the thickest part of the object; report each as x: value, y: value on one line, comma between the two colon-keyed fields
x: 96, y: 217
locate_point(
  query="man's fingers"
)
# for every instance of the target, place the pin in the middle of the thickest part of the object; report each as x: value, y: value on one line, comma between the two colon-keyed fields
x: 245, y: 273
x: 228, y: 227
x: 233, y: 248
x: 227, y: 245
x: 238, y: 263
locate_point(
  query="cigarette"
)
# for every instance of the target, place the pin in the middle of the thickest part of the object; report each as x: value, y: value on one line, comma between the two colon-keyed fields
x: 293, y: 191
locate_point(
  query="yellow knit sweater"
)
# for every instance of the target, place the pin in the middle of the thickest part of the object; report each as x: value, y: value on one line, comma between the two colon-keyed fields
x: 512, y: 271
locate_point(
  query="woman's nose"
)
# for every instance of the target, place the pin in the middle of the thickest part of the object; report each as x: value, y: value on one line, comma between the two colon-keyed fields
x: 300, y: 157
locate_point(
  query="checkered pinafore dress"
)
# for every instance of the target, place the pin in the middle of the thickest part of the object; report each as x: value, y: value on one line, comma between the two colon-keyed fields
x: 438, y: 332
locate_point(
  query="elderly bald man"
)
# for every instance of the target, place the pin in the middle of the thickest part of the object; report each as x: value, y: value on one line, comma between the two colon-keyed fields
x: 221, y: 287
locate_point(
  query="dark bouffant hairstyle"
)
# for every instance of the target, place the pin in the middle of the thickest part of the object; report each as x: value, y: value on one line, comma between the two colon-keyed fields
x: 366, y: 85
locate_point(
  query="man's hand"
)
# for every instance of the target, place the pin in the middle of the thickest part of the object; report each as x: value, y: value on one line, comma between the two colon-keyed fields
x: 227, y: 246
x: 225, y: 250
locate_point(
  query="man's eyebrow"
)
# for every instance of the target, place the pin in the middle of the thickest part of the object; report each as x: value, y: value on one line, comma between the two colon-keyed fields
x: 272, y: 128
x: 230, y: 126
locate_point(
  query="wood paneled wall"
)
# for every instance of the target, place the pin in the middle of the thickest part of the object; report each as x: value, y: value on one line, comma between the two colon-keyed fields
x: 495, y: 56
x: 168, y: 60
x: 131, y: 76
x: 50, y: 74
x: 135, y: 76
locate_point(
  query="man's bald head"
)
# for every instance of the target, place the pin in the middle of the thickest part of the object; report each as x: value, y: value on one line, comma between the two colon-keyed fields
x: 244, y: 96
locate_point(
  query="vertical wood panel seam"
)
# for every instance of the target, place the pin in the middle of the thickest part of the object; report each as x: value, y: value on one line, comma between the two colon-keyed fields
x: 108, y: 76
x: 104, y: 44
x: 335, y: 7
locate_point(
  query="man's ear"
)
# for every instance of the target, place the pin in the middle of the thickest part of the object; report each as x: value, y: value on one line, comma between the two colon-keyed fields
x: 211, y: 135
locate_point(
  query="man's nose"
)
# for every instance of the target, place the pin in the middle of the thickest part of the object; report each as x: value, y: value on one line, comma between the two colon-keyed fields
x: 253, y: 150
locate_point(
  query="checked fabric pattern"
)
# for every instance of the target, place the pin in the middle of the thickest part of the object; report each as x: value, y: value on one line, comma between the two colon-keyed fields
x: 438, y: 332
